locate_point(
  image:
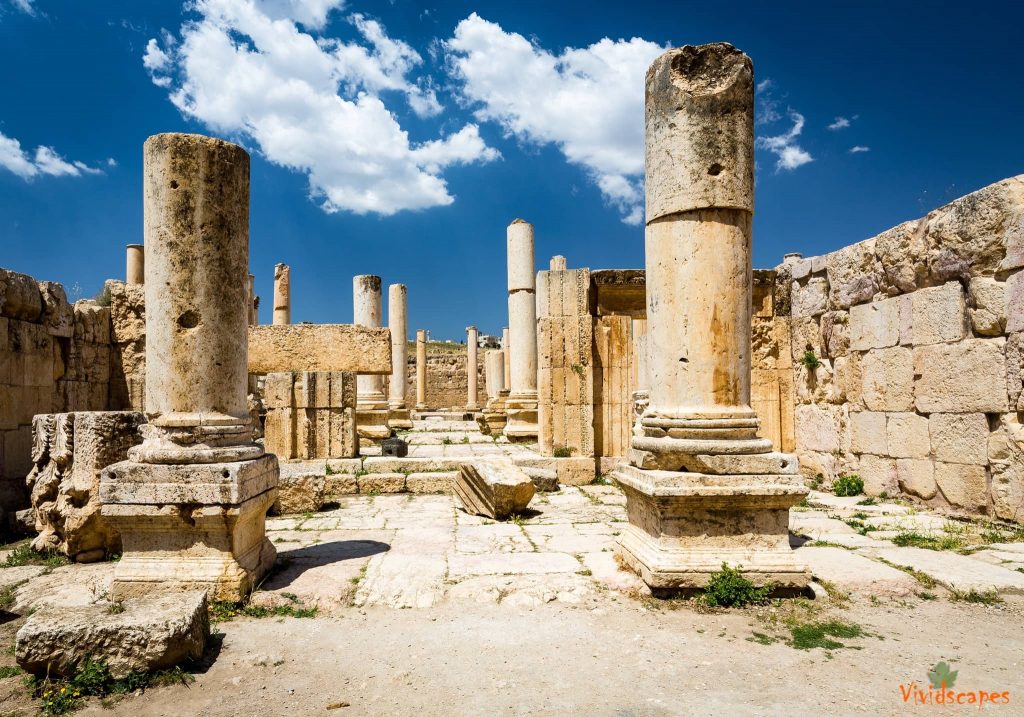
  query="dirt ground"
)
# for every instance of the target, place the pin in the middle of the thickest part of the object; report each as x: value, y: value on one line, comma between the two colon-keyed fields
x: 624, y: 657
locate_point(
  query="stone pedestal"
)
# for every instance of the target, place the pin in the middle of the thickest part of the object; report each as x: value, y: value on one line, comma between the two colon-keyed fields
x: 371, y: 405
x: 136, y: 262
x: 421, y: 370
x: 702, y: 487
x: 190, y: 501
x: 399, y: 415
x: 521, y: 407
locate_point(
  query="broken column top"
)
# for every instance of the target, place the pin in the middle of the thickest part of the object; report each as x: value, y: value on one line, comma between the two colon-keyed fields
x: 700, y: 133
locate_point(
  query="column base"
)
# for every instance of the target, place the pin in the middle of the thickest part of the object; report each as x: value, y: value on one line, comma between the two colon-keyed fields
x: 400, y: 418
x: 372, y: 426
x: 683, y: 526
x: 188, y: 527
x: 522, y: 424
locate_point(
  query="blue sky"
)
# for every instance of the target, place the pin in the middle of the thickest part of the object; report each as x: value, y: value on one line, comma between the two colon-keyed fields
x: 401, y: 138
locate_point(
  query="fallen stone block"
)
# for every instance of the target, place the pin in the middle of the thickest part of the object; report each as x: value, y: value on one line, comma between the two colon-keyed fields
x: 394, y: 447
x: 544, y: 479
x: 302, y: 488
x: 495, y: 488
x: 150, y: 633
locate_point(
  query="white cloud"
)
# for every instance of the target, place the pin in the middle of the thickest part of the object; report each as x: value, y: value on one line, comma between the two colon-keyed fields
x: 767, y: 105
x: 314, y: 104
x: 840, y: 123
x: 25, y: 6
x: 856, y: 149
x: 45, y: 161
x: 589, y: 102
x: 784, y: 146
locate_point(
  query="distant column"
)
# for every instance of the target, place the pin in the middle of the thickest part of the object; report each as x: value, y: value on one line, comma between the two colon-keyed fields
x: 367, y: 311
x: 135, y: 272
x: 472, y: 404
x: 522, y: 321
x: 494, y: 372
x: 398, y: 323
x: 507, y: 367
x: 558, y: 263
x: 253, y: 315
x: 282, y: 294
x: 421, y: 370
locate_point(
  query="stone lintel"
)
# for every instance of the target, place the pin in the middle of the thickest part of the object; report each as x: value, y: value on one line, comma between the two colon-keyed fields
x: 319, y: 347
x: 619, y: 292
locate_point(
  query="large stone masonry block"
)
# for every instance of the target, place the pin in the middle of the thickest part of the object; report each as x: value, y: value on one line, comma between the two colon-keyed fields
x: 907, y: 436
x: 899, y: 251
x: 887, y: 379
x: 854, y: 274
x: 963, y: 486
x: 939, y: 314
x: 879, y: 475
x: 810, y: 299
x: 822, y: 428
x: 1015, y: 302
x: 987, y: 299
x: 966, y: 377
x: 319, y: 347
x: 959, y: 437
x: 493, y: 488
x: 875, y: 325
x: 1006, y: 456
x: 190, y: 527
x: 916, y: 476
x: 1014, y: 353
x: 868, y: 433
x: 69, y: 452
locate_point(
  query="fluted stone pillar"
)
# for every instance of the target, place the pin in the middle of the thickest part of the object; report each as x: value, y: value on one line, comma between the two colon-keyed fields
x: 558, y: 263
x: 371, y: 405
x: 421, y: 370
x: 522, y: 320
x: 282, y: 294
x: 398, y: 411
x: 191, y: 500
x: 472, y: 369
x: 702, y: 488
x: 135, y: 272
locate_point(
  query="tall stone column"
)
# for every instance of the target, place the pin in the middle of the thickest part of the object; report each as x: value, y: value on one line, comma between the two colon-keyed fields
x: 282, y: 294
x: 702, y: 488
x: 371, y: 405
x: 421, y: 370
x: 558, y: 263
x: 522, y: 320
x: 492, y: 420
x: 191, y: 500
x: 472, y: 368
x: 136, y: 262
x: 398, y: 411
x: 506, y: 341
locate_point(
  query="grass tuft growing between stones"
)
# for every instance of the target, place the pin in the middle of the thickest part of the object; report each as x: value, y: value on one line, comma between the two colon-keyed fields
x: 811, y: 635
x: 25, y: 555
x: 729, y: 588
x: 983, y: 597
x: 929, y: 541
x: 93, y: 679
x: 848, y: 485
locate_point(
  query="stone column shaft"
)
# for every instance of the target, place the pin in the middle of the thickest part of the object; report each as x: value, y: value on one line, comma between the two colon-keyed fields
x: 282, y: 294
x: 367, y: 311
x: 472, y: 404
x: 494, y: 372
x: 506, y: 342
x: 398, y: 323
x: 522, y: 322
x: 135, y: 272
x: 421, y: 370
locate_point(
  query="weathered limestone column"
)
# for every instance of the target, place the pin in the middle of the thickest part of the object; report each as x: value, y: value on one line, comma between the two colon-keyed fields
x: 492, y: 420
x: 371, y: 405
x: 702, y: 488
x: 282, y: 294
x: 191, y: 500
x: 135, y: 272
x: 522, y: 321
x: 421, y: 370
x: 472, y: 403
x: 398, y: 412
x: 253, y: 301
x: 558, y: 263
x: 506, y: 341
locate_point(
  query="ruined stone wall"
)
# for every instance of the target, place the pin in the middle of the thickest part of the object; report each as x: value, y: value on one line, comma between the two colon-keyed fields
x: 128, y: 346
x: 447, y: 379
x: 54, y: 357
x: 310, y: 414
x: 908, y: 356
x: 771, y: 374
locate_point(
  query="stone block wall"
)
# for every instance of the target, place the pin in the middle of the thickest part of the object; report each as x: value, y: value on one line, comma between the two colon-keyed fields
x: 447, y: 378
x: 127, y: 346
x: 54, y: 357
x: 918, y: 332
x: 310, y: 414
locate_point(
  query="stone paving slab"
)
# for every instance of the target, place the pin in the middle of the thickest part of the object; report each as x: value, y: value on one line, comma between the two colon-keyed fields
x: 817, y: 526
x: 919, y: 522
x: 511, y: 563
x: 957, y: 572
x: 525, y: 590
x: 855, y: 573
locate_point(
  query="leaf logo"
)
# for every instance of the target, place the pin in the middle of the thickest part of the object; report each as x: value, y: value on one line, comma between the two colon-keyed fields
x: 941, y: 676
